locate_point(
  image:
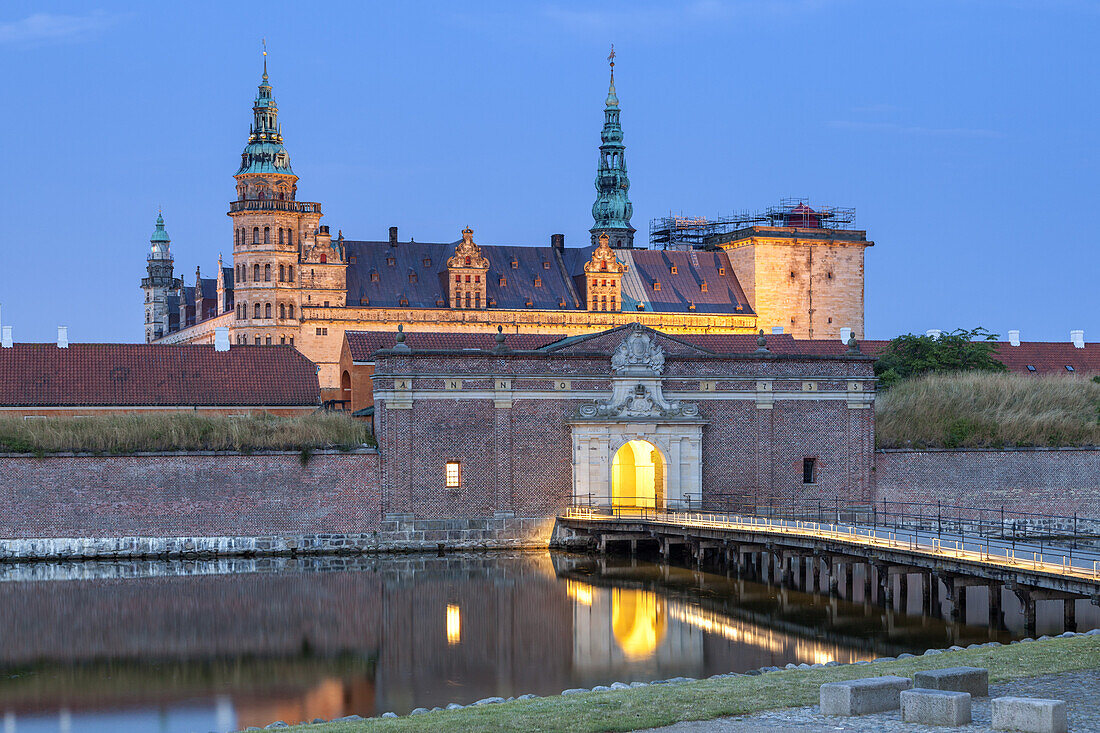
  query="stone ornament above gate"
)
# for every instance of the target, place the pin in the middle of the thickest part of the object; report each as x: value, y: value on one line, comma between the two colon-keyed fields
x: 637, y: 393
x: 638, y: 354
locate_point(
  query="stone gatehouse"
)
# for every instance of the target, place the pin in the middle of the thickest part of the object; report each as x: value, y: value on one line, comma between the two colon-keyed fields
x: 629, y: 417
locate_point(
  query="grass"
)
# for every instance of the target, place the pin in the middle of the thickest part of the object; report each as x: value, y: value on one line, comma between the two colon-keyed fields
x: 982, y: 410
x: 658, y: 705
x: 121, y: 434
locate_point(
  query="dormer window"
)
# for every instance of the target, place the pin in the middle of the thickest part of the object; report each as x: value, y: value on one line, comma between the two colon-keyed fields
x: 364, y: 301
x: 538, y: 282
x: 503, y: 281
x: 703, y: 286
x: 528, y: 303
x: 412, y: 277
x: 1069, y: 368
x: 439, y: 302
x: 546, y: 265
x: 721, y: 271
x: 1031, y: 367
x: 373, y: 276
x: 515, y: 264
x: 672, y: 269
x: 391, y: 261
x: 324, y: 258
x: 427, y: 262
x: 691, y: 306
x: 353, y: 259
x: 656, y: 285
x: 403, y: 302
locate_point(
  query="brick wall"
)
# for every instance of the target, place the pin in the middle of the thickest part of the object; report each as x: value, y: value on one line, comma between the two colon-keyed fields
x: 1048, y: 481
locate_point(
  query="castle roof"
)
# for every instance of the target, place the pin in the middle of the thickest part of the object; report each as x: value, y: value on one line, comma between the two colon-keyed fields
x: 1047, y: 357
x: 43, y: 375
x: 542, y: 278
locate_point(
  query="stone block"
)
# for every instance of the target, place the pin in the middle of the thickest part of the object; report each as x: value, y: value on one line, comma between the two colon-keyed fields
x: 1032, y: 715
x: 974, y: 680
x: 935, y: 707
x: 859, y: 697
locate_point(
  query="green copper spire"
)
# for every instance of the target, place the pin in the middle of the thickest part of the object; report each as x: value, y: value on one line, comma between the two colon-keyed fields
x: 265, y: 152
x: 612, y: 210
x: 160, y: 241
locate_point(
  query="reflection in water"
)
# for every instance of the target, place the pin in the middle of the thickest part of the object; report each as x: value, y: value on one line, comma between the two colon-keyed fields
x: 639, y: 622
x: 149, y: 647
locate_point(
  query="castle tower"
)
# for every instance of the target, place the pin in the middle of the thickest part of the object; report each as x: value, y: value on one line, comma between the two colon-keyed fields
x: 612, y: 210
x: 269, y: 228
x: 159, y: 282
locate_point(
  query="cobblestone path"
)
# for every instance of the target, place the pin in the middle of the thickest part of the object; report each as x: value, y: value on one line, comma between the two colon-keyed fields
x: 1080, y: 690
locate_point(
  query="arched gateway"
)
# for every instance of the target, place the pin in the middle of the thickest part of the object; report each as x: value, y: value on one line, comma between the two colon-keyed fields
x: 636, y: 449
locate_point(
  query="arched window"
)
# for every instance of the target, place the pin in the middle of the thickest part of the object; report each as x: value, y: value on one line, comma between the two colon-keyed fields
x: 282, y: 310
x: 290, y: 310
x: 257, y: 340
x: 267, y: 310
x: 268, y: 341
x: 324, y: 258
x: 255, y: 235
x: 267, y: 235
x: 290, y: 236
x: 267, y: 273
x: 280, y: 231
x: 282, y: 271
x: 236, y: 236
x: 290, y: 273
x: 256, y: 273
x: 257, y: 310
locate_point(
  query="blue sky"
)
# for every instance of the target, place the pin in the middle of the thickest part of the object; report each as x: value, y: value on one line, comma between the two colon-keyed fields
x: 963, y: 133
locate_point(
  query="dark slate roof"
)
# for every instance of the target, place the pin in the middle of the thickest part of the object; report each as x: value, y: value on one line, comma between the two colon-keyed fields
x: 210, y: 288
x: 227, y: 277
x: 362, y: 344
x: 43, y: 375
x: 1048, y: 357
x: 559, y: 275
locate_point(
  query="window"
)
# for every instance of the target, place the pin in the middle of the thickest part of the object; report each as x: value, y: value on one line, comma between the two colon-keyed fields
x: 255, y: 273
x: 477, y: 279
x: 1030, y: 367
x: 290, y: 311
x: 282, y: 341
x: 603, y: 303
x: 595, y: 303
x: 282, y: 310
x: 282, y: 272
x: 324, y: 258
x: 257, y: 311
x: 477, y: 300
x: 503, y: 281
x: 374, y: 277
x: 267, y: 341
x: 267, y: 273
x: 257, y: 340
x: 656, y: 285
x: 291, y: 340
x: 290, y: 273
x: 515, y: 264
x: 390, y: 261
x: 267, y: 310
x: 613, y: 303
x: 722, y: 271
x: 809, y: 470
x: 412, y: 277
x: 467, y: 300
x: 255, y: 235
x: 467, y: 278
x: 427, y: 262
x: 1069, y: 368
x: 267, y: 235
x: 538, y: 282
x: 703, y: 287
x: 322, y: 332
x: 353, y: 260
x: 326, y: 304
x: 453, y: 475
x: 672, y: 269
x: 546, y: 265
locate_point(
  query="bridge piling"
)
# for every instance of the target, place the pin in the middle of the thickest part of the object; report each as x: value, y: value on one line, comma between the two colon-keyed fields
x: 1069, y: 614
x: 903, y: 592
x: 996, y: 615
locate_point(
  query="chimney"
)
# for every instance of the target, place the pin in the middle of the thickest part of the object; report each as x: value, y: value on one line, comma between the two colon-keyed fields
x: 221, y: 338
x: 393, y: 236
x: 5, y: 340
x: 1077, y: 338
x: 777, y: 329
x: 935, y: 333
x: 845, y: 334
x: 62, y: 337
x: 557, y: 241
x: 1014, y: 338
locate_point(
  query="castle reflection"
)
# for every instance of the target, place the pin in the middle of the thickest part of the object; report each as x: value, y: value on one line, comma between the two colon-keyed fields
x: 175, y: 648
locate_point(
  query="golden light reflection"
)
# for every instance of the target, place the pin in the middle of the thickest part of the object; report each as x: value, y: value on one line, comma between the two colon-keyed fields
x: 745, y: 633
x: 454, y: 624
x: 579, y: 592
x: 638, y: 621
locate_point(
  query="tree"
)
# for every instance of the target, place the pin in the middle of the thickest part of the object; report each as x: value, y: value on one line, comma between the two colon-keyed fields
x: 958, y: 351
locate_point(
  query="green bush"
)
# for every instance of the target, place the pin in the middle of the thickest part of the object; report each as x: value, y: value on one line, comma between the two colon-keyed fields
x: 958, y: 351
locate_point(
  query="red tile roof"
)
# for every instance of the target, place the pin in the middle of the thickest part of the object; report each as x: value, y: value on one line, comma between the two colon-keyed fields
x: 155, y: 375
x: 1048, y: 357
x: 364, y: 343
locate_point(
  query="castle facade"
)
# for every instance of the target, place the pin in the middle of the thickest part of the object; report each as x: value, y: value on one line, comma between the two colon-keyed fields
x: 292, y: 283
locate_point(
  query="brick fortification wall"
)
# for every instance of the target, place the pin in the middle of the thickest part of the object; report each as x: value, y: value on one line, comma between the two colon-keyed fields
x: 1043, y: 480
x: 73, y: 506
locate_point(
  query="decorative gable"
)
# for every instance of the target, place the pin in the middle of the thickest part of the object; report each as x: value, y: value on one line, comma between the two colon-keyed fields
x: 603, y: 278
x: 467, y: 273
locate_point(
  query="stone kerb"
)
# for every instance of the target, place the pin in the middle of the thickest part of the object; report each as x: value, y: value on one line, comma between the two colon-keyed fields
x: 1031, y: 715
x: 972, y: 680
x: 935, y: 707
x: 863, y: 696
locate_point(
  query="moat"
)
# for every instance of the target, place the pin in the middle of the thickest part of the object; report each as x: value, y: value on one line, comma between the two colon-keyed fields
x: 226, y: 644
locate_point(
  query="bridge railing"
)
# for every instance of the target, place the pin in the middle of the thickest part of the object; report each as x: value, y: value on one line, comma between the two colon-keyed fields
x: 1050, y: 559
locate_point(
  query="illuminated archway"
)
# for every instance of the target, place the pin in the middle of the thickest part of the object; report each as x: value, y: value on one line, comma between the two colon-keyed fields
x: 638, y: 477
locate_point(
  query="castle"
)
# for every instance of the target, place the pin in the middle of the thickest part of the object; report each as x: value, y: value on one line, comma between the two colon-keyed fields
x: 292, y: 283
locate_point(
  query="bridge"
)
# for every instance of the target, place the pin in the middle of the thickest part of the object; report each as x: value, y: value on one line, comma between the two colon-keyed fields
x: 1037, y: 557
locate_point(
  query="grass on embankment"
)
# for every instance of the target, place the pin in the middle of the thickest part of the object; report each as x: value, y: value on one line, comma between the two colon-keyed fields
x: 657, y: 705
x: 120, y: 434
x: 982, y: 410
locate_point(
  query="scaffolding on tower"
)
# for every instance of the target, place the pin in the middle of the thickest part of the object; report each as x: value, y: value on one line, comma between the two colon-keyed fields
x: 696, y: 232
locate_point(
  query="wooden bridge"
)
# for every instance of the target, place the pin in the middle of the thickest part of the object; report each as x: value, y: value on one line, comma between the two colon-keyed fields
x: 771, y: 547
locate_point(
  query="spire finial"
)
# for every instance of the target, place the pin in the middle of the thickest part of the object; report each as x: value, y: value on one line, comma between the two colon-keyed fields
x: 612, y: 98
x: 264, y: 43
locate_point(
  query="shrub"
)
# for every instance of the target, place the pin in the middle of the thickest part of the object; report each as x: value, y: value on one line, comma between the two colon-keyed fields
x: 958, y: 351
